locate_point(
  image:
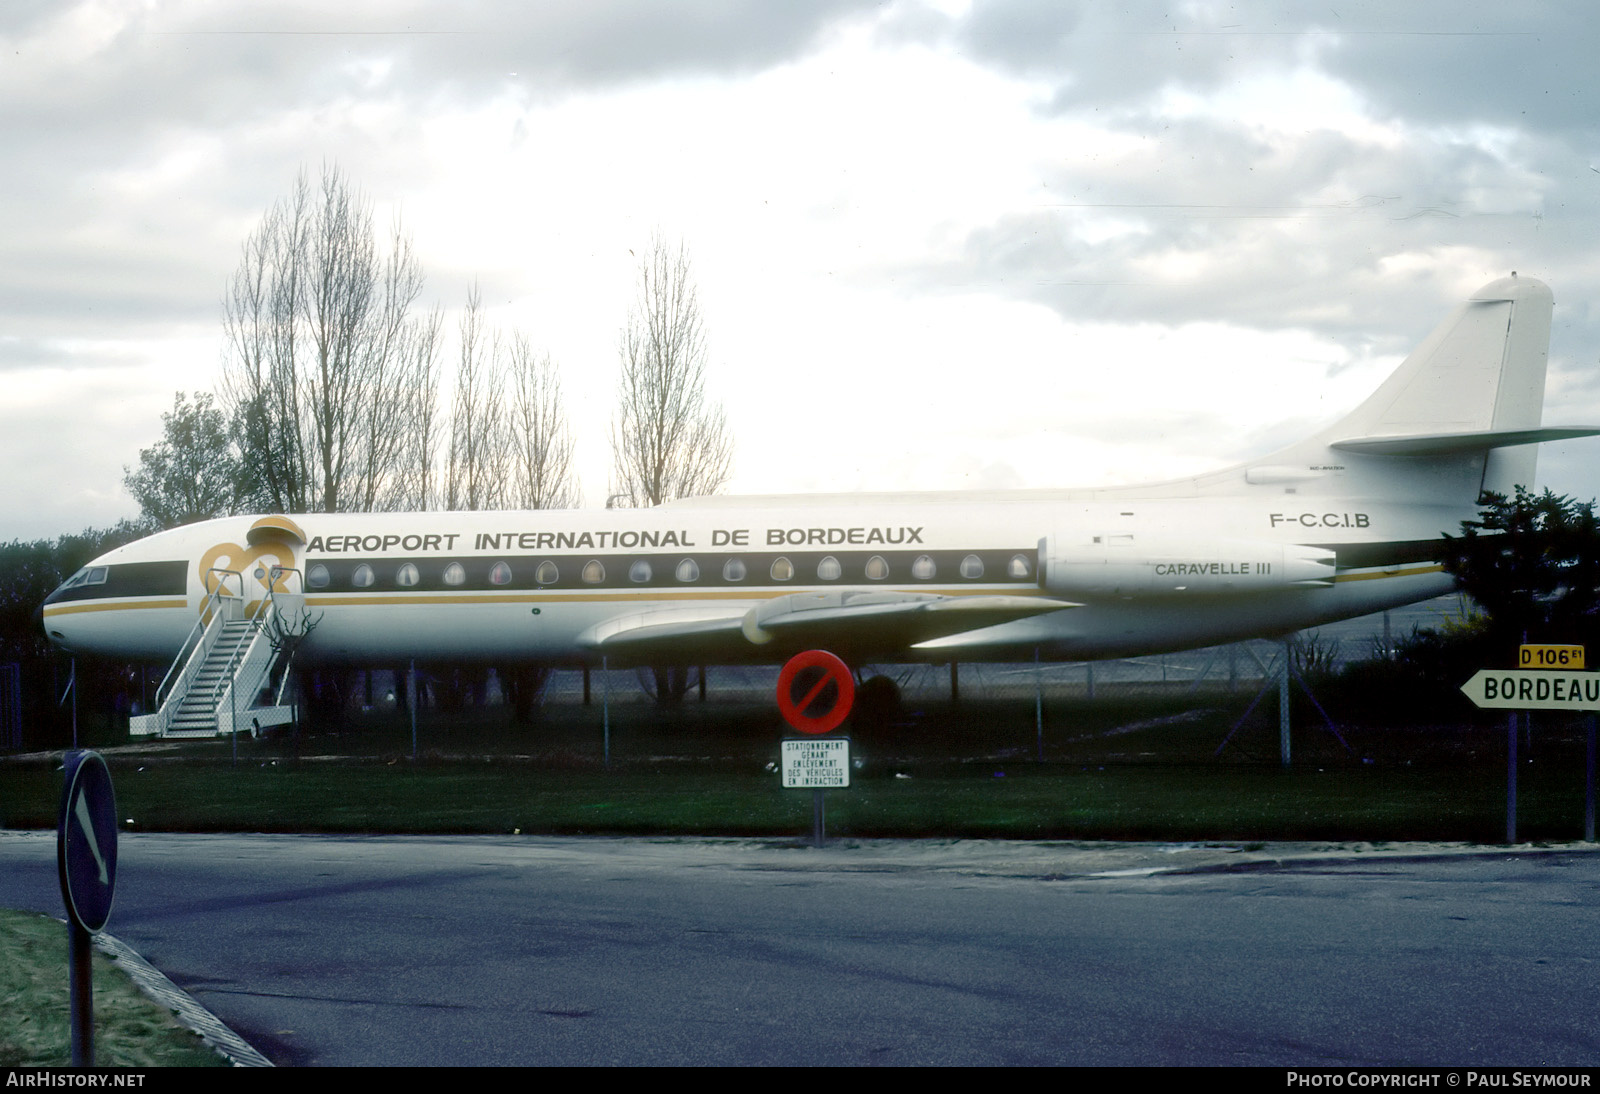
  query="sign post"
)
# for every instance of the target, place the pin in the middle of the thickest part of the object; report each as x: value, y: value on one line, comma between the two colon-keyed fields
x: 1559, y: 683
x: 815, y: 691
x: 86, y: 862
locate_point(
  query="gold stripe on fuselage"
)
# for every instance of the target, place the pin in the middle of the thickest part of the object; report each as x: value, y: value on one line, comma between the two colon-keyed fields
x: 634, y: 596
x: 626, y: 596
x: 109, y: 606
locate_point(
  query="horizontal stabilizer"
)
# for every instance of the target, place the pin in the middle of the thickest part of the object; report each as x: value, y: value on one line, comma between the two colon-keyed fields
x: 1447, y: 444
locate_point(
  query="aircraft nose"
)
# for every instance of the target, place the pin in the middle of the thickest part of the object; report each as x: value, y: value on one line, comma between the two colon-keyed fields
x: 41, y: 629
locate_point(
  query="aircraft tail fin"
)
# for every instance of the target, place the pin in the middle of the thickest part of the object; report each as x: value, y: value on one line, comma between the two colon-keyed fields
x: 1475, y: 385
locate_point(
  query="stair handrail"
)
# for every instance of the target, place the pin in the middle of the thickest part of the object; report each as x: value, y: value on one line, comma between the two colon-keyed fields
x: 209, y: 609
x: 267, y: 605
x: 263, y: 611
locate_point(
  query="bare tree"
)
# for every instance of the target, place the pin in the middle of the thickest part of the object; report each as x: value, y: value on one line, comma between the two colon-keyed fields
x: 479, y: 455
x: 667, y: 440
x: 321, y: 344
x: 541, y: 444
x: 416, y: 421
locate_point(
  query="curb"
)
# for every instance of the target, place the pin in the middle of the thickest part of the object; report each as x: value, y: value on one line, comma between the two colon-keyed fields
x: 183, y: 1005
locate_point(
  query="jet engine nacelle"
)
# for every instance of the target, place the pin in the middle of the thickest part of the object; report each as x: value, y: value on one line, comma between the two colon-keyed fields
x: 1123, y: 565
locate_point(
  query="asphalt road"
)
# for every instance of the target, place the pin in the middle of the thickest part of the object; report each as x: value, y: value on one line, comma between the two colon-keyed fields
x: 506, y: 950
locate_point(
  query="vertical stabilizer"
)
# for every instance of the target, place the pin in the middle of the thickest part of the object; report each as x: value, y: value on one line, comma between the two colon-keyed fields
x: 1482, y: 369
x: 1480, y: 372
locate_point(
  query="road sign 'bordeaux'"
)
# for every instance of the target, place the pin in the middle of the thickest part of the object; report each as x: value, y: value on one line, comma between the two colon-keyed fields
x: 815, y: 691
x: 1534, y: 689
x: 86, y: 840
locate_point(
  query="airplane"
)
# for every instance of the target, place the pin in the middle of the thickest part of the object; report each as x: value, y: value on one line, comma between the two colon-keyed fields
x: 1344, y: 523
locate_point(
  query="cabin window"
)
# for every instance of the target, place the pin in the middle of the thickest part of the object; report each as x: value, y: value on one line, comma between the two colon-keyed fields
x: 782, y: 569
x: 407, y: 576
x: 593, y: 572
x: 317, y: 577
x: 363, y: 577
x: 639, y: 571
x: 688, y: 570
x: 923, y: 569
x: 547, y: 574
x: 500, y: 574
x: 733, y: 570
x: 455, y: 574
x: 877, y: 569
x: 829, y: 569
x: 1019, y: 566
x: 972, y: 567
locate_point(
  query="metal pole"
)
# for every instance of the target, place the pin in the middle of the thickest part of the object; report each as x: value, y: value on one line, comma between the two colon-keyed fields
x: 817, y: 823
x: 1038, y: 704
x: 1588, y: 783
x: 1511, y: 778
x: 81, y: 992
x: 1283, y: 704
x: 233, y: 704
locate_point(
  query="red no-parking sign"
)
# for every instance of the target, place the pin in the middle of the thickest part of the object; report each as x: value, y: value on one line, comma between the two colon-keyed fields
x: 815, y: 691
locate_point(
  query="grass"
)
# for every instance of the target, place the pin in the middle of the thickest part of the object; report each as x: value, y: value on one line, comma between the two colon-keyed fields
x: 131, y: 1030
x: 1110, y: 771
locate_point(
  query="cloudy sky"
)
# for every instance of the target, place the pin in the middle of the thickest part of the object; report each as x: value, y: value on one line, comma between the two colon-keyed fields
x: 937, y: 245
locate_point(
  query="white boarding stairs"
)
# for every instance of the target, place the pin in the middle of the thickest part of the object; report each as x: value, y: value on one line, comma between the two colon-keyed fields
x: 215, y: 686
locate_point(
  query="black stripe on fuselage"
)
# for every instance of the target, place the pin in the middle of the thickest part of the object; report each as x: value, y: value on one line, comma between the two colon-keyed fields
x: 131, y: 579
x: 1358, y: 556
x: 524, y: 570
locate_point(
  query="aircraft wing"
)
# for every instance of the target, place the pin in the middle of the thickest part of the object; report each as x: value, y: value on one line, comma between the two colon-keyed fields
x: 855, y: 623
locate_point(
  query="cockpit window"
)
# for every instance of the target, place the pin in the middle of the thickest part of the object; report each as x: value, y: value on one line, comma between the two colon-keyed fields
x: 89, y: 575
